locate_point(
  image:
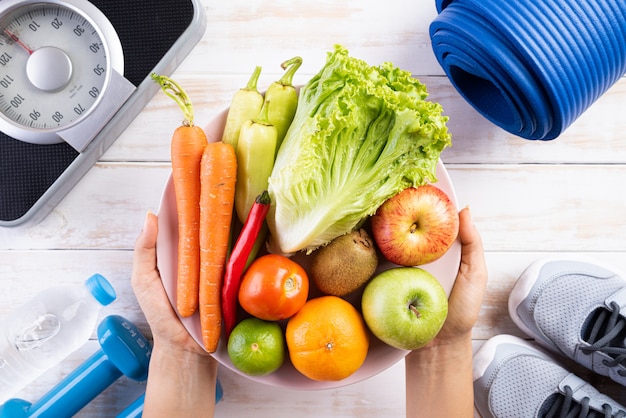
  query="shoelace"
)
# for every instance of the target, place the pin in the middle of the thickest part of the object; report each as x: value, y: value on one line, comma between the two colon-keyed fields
x: 606, y: 327
x: 566, y: 407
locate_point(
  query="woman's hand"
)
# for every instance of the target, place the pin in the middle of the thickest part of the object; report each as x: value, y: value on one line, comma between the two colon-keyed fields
x: 182, y: 375
x: 469, y: 287
x: 167, y: 330
x: 439, y: 376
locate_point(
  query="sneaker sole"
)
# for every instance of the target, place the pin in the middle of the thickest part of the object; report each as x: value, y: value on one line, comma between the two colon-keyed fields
x: 487, y: 352
x: 527, y: 280
x: 485, y: 357
x: 521, y: 290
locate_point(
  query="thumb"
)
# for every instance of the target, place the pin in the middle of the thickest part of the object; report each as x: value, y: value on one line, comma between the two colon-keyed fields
x: 145, y: 245
x: 468, y: 290
x: 144, y: 254
x: 472, y: 253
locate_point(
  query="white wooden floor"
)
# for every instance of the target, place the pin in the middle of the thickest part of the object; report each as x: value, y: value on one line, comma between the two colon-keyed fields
x: 529, y: 199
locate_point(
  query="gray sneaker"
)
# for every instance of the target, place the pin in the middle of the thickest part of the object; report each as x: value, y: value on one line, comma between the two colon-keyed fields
x: 513, y: 378
x: 576, y: 309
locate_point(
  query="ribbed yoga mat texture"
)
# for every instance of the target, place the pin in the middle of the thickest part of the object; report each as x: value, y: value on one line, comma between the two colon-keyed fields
x: 531, y: 67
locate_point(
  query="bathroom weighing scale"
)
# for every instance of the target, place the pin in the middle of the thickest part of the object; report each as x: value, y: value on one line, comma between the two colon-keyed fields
x: 73, y: 75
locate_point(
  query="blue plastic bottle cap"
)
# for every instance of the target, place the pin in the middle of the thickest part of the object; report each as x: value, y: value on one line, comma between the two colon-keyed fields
x: 101, y: 289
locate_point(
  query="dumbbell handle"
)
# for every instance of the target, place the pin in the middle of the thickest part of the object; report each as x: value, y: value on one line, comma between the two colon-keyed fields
x: 73, y: 392
x: 124, y: 351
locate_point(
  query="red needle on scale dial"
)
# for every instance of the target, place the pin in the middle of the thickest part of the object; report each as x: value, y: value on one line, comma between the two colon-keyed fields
x: 17, y: 41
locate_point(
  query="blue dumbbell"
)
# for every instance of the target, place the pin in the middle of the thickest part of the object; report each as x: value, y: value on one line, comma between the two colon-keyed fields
x: 124, y: 351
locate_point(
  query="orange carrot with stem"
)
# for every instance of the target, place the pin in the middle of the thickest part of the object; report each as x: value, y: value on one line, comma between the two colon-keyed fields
x: 217, y: 198
x: 187, y: 146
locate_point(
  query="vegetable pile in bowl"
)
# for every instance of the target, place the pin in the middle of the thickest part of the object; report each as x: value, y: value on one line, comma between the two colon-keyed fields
x: 359, y: 136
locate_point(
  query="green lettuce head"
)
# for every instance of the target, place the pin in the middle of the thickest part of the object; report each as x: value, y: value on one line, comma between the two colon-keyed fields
x: 360, y: 135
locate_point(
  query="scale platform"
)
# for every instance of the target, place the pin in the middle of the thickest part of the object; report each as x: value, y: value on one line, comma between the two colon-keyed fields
x: 155, y: 36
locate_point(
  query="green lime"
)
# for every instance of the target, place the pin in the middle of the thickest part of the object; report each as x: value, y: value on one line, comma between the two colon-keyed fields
x: 256, y: 347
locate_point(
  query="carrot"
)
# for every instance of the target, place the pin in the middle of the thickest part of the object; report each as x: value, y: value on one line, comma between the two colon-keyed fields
x: 217, y: 196
x: 187, y: 146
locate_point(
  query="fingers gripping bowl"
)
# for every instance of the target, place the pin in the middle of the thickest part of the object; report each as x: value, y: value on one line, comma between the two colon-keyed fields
x: 380, y: 355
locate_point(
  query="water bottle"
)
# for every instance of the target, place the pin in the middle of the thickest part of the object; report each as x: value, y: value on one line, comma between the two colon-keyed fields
x: 41, y: 333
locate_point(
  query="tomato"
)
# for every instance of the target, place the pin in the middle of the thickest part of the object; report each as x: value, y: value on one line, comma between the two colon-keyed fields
x: 274, y: 287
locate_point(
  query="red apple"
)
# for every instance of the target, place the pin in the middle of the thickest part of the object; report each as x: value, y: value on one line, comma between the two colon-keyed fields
x: 416, y: 226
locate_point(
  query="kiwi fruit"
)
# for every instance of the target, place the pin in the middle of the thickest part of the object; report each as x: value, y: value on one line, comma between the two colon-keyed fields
x: 344, y: 264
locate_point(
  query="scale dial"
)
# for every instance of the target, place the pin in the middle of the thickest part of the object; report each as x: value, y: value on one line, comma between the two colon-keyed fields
x: 57, y: 61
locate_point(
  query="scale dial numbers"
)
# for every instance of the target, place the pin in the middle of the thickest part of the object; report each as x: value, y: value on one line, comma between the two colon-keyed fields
x: 61, y: 71
x: 53, y: 66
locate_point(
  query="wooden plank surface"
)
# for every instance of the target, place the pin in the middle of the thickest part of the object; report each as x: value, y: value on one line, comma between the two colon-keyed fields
x: 529, y: 199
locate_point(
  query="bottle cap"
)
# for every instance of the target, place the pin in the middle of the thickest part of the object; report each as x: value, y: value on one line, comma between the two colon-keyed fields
x: 101, y: 289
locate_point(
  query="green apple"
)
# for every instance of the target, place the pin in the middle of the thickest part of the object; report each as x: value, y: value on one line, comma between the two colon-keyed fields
x: 405, y: 307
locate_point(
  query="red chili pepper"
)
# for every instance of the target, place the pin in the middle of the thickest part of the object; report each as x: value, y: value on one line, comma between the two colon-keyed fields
x: 239, y: 257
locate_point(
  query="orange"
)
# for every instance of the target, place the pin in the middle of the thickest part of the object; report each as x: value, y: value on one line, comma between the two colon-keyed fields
x: 327, y: 339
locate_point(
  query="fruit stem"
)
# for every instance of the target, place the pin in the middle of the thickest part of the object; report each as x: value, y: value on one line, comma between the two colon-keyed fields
x: 290, y: 284
x: 413, y: 309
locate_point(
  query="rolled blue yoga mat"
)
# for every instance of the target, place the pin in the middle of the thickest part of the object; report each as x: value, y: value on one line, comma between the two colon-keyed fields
x: 531, y: 67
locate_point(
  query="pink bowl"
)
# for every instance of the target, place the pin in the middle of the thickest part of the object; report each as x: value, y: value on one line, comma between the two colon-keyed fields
x: 380, y: 356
